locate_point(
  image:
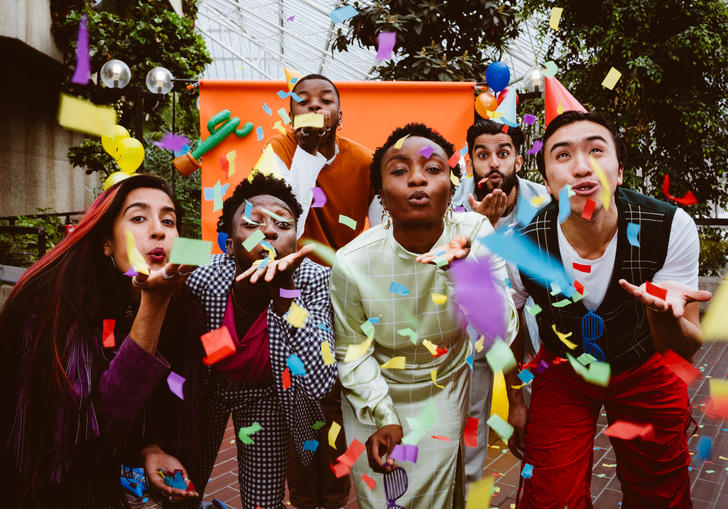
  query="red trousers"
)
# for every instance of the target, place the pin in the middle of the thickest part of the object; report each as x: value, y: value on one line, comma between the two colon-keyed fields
x: 560, y: 433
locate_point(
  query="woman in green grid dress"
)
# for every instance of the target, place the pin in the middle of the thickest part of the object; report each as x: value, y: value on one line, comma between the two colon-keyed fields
x: 387, y: 289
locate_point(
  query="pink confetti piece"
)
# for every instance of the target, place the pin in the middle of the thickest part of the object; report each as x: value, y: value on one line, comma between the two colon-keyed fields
x: 290, y: 293
x: 426, y: 151
x: 385, y: 45
x: 83, y: 65
x: 319, y: 197
x: 176, y: 384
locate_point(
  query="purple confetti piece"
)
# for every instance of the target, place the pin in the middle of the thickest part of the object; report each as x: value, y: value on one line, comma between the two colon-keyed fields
x: 459, y: 208
x: 537, y: 145
x: 385, y: 45
x: 176, y: 383
x: 319, y: 197
x: 131, y: 272
x: 182, y: 151
x: 290, y: 294
x: 405, y: 452
x: 172, y: 141
x: 290, y: 18
x: 529, y: 119
x: 426, y: 151
x: 542, y: 366
x: 83, y: 65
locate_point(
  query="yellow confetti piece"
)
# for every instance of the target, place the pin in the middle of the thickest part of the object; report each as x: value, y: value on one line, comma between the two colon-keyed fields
x: 85, y: 116
x: 326, y: 354
x: 555, y: 17
x: 430, y: 346
x: 611, y: 79
x: 433, y: 375
x: 605, y: 195
x: 438, y: 298
x: 230, y: 156
x: 560, y: 109
x: 718, y: 388
x: 354, y: 352
x: 394, y: 363
x: 479, y: 493
x: 297, y: 315
x: 398, y: 144
x: 333, y: 433
x: 479, y: 344
x: 536, y: 201
x: 136, y: 260
x: 279, y: 127
x: 517, y: 386
x: 454, y: 179
x: 715, y: 325
x: 267, y: 164
x: 308, y: 120
x: 563, y: 337
x: 722, y: 458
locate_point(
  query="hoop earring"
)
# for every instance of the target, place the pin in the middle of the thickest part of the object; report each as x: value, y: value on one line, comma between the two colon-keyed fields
x: 386, y: 219
x: 448, y: 214
x: 113, y: 263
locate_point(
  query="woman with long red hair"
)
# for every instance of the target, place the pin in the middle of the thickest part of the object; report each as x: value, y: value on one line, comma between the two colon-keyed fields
x: 85, y: 350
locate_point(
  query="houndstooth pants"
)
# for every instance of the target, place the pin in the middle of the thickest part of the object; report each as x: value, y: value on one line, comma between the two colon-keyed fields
x: 262, y: 464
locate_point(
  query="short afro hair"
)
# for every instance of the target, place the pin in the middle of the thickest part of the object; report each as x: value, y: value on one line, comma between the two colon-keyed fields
x: 412, y: 129
x: 259, y: 184
x: 315, y: 77
x: 487, y: 126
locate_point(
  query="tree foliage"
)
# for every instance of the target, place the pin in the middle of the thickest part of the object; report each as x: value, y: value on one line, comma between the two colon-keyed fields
x: 436, y: 41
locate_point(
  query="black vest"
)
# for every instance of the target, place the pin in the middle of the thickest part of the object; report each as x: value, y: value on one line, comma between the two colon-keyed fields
x: 626, y: 340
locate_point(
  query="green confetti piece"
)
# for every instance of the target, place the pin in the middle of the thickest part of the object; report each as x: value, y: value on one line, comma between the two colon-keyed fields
x: 318, y: 425
x: 500, y: 357
x: 408, y: 332
x: 561, y: 303
x: 585, y: 359
x: 534, y: 310
x: 274, y: 215
x: 441, y: 262
x: 253, y: 240
x: 501, y: 427
x: 190, y: 251
x: 367, y: 328
x: 550, y: 69
x: 597, y: 373
x: 347, y: 221
x: 420, y: 425
x: 244, y: 433
x: 577, y: 297
x: 284, y: 116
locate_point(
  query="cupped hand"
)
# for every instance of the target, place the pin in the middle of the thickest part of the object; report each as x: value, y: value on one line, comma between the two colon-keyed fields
x: 492, y: 206
x: 310, y: 138
x: 678, y: 296
x: 380, y: 444
x: 156, y: 459
x: 456, y: 249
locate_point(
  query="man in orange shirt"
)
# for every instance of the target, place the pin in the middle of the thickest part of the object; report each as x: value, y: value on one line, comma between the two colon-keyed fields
x: 317, y: 157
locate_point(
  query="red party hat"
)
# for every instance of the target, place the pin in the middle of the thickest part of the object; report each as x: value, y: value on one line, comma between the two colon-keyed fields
x: 558, y: 100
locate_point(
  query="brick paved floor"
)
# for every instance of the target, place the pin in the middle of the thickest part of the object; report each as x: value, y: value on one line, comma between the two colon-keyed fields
x: 709, y: 479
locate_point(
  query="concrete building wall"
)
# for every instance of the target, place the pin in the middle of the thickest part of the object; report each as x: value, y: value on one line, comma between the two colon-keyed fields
x: 29, y: 21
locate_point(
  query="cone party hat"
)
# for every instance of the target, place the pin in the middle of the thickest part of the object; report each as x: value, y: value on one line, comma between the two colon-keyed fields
x: 558, y: 100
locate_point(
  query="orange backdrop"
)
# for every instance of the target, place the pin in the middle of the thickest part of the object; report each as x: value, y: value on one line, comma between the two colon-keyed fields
x: 371, y: 111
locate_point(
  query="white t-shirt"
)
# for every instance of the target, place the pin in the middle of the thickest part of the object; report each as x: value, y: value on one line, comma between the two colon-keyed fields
x: 681, y: 263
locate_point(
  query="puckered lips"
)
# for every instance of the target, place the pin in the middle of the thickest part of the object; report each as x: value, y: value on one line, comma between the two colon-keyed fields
x: 157, y: 255
x: 585, y: 187
x: 419, y: 198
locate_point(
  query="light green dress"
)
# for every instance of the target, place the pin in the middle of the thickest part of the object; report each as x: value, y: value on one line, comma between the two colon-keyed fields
x: 375, y: 397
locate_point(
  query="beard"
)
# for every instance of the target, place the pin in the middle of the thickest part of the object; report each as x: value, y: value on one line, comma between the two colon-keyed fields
x: 506, y: 184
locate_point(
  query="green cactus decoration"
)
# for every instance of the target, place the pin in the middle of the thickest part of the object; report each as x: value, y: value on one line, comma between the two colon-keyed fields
x: 220, y: 126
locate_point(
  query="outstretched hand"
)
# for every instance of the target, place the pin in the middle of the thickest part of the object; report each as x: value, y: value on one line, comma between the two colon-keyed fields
x: 277, y: 272
x: 678, y: 296
x: 492, y: 206
x: 163, y: 281
x: 381, y: 443
x: 456, y: 249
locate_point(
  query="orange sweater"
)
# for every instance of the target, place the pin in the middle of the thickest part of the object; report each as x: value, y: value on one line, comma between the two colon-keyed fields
x: 346, y: 185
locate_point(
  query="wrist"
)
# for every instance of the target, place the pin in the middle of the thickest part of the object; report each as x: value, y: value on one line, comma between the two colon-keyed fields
x: 150, y: 449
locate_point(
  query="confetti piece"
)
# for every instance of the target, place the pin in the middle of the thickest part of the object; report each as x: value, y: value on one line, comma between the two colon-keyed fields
x: 354, y: 352
x: 440, y: 437
x: 296, y: 315
x: 550, y: 69
x: 585, y: 359
x: 394, y: 363
x: 704, y: 446
x: 454, y: 159
x: 714, y: 325
x: 295, y: 364
x: 136, y: 260
x: 367, y: 328
x: 340, y: 470
x: 279, y: 127
x: 318, y: 425
x: 655, y: 291
x: 282, y: 94
x: 190, y: 251
x: 525, y: 212
x: 529, y: 119
x: 438, y: 298
x: 480, y: 492
x: 319, y: 197
x: 369, y: 481
x: 347, y: 221
x: 597, y: 373
x: 107, y: 335
x: 555, y: 17
x: 230, y: 157
x: 176, y: 383
x: 588, y: 210
x: 253, y: 240
x: 267, y: 109
x: 426, y: 151
x: 420, y: 425
x: 469, y: 361
x: 476, y: 283
x: 537, y: 146
x: 244, y: 433
x: 385, y: 45
x: 398, y: 143
x: 173, y: 142
x: 308, y: 120
x: 310, y: 445
x: 564, y: 203
x: 218, y: 344
x: 611, y: 78
x: 479, y: 344
x: 406, y: 452
x: 290, y: 18
x: 470, y: 435
x: 431, y: 347
x: 287, y: 293
x: 342, y: 14
x: 579, y: 287
x: 582, y: 268
x: 561, y: 303
x: 433, y: 375
x: 564, y: 337
x: 259, y: 133
x: 687, y: 199
x: 630, y: 430
x: 286, y: 378
x: 284, y: 116
x: 82, y: 73
x: 398, y: 288
x: 326, y: 354
x: 454, y: 179
x: 333, y: 433
x: 682, y: 368
x: 633, y: 231
x: 274, y: 215
x: 500, y: 357
x: 604, y: 194
x: 85, y: 116
x: 534, y: 310
x: 352, y: 453
x: 527, y: 471
x: 526, y: 376
x: 501, y: 427
x: 216, y: 192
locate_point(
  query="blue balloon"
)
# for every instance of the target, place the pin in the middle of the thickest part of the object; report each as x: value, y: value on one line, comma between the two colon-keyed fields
x: 497, y: 75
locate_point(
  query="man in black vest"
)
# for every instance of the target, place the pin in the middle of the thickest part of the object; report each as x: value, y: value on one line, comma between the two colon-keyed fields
x: 611, y: 241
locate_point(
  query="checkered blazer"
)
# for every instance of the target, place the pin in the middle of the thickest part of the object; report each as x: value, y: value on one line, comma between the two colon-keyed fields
x: 211, y: 285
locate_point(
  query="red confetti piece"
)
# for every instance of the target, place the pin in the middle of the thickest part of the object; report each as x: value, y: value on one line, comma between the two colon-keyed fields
x: 680, y: 367
x: 339, y: 470
x: 588, y: 209
x: 286, y: 378
x: 440, y: 437
x: 579, y: 287
x: 370, y: 482
x: 108, y: 335
x: 687, y: 199
x: 504, y: 128
x: 453, y: 161
x: 470, y: 436
x: 582, y: 268
x: 225, y: 164
x: 440, y: 351
x: 630, y: 430
x: 655, y: 291
x: 218, y: 345
x: 352, y: 453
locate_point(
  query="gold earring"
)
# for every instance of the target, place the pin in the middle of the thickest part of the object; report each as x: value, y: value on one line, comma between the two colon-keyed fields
x: 448, y: 214
x: 386, y: 219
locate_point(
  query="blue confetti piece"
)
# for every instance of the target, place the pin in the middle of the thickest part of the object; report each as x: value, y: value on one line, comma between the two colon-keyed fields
x: 259, y: 133
x: 264, y: 263
x: 525, y: 213
x: 398, y: 288
x: 282, y: 94
x: 248, y: 208
x: 209, y: 192
x: 704, y: 446
x: 507, y: 281
x: 633, y: 231
x: 175, y: 481
x: 527, y: 471
x: 182, y: 151
x: 221, y: 241
x: 464, y: 150
x: 374, y: 320
x: 469, y: 360
x: 267, y: 109
x: 322, y: 326
x: 310, y: 445
x: 343, y: 13
x: 526, y: 376
x: 296, y: 97
x: 295, y: 364
x: 564, y: 203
